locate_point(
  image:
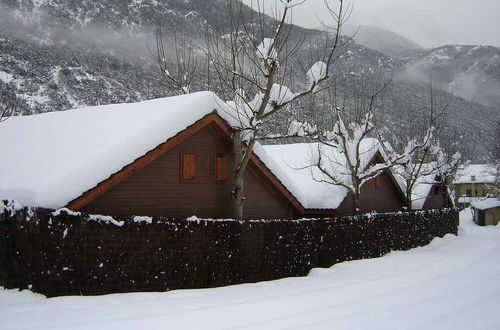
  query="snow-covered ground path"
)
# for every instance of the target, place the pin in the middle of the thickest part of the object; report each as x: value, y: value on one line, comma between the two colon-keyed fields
x: 454, y: 283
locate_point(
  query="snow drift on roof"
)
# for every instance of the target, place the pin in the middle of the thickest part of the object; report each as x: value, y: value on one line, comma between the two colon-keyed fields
x: 52, y: 158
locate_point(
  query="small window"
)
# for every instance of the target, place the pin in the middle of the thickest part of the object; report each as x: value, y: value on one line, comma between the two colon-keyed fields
x: 468, y: 192
x: 473, y: 178
x: 221, y: 169
x: 188, y: 166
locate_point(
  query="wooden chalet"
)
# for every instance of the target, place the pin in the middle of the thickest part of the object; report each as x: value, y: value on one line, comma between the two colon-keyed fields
x: 190, y: 174
x: 322, y: 199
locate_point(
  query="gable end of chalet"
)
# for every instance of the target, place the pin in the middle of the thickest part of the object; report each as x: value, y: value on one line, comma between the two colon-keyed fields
x: 222, y: 129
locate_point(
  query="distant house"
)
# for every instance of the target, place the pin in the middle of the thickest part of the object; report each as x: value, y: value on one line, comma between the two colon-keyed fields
x: 169, y: 157
x: 486, y: 212
x: 473, y: 183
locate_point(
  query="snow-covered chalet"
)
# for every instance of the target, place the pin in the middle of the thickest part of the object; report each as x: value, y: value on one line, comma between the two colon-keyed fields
x: 168, y: 157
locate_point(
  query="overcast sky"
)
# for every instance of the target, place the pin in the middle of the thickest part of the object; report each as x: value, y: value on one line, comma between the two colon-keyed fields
x: 429, y: 23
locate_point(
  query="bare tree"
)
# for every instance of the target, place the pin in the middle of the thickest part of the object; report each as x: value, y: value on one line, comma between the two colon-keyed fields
x: 418, y: 167
x: 252, y: 61
x: 178, y: 59
x: 345, y: 153
x: 446, y: 169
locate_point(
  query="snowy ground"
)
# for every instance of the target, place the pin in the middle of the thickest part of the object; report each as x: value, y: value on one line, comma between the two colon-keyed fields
x: 454, y: 283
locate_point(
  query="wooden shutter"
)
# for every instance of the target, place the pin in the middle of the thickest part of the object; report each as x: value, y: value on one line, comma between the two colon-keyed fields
x: 220, y: 168
x: 188, y: 166
x: 378, y: 180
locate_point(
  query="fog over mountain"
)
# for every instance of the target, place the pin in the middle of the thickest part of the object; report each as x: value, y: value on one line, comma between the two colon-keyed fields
x: 429, y: 23
x: 60, y: 54
x: 382, y: 40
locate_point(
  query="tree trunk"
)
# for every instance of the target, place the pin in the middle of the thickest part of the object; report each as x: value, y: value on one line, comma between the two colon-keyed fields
x: 237, y: 192
x: 409, y: 199
x: 238, y: 197
x: 443, y: 189
x: 409, y: 205
x: 356, y: 206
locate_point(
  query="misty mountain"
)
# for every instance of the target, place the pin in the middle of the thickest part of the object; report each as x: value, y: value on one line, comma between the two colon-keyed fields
x: 60, y: 54
x: 382, y: 40
x: 119, y: 14
x: 471, y: 72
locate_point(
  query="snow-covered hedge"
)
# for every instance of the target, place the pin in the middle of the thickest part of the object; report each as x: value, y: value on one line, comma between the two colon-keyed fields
x: 66, y: 253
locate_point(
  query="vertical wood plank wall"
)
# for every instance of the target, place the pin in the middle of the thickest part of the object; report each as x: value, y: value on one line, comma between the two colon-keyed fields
x: 157, y: 189
x: 434, y: 200
x: 383, y: 197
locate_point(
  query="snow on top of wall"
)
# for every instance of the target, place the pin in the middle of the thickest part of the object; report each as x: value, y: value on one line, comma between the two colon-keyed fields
x: 304, y: 180
x: 52, y: 158
x: 481, y: 173
x: 486, y: 204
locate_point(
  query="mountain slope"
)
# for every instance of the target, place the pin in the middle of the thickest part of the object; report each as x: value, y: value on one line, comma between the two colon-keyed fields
x: 382, y: 40
x: 61, y: 54
x: 472, y: 72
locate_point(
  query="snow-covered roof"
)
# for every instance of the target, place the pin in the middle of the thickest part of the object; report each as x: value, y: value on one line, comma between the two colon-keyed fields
x: 52, y: 158
x: 55, y: 157
x: 305, y: 181
x: 486, y: 204
x: 468, y: 200
x: 476, y: 173
x: 421, y: 191
x: 422, y: 187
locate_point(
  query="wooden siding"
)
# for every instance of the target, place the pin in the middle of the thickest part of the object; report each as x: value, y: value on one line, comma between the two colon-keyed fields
x: 380, y: 196
x: 157, y: 189
x: 480, y: 217
x: 435, y: 199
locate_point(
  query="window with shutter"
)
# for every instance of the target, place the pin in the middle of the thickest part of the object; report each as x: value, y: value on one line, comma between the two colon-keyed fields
x: 188, y: 166
x: 221, y: 170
